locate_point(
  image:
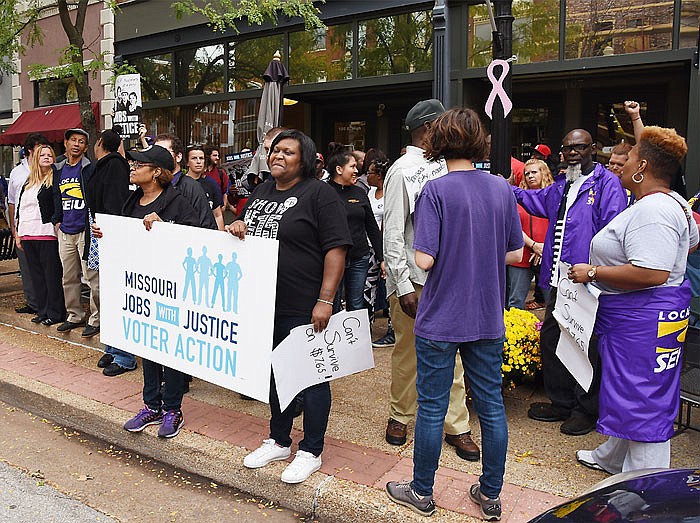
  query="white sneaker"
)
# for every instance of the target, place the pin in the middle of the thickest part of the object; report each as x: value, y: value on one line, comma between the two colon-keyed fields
x: 266, y: 453
x: 585, y: 458
x: 301, y: 468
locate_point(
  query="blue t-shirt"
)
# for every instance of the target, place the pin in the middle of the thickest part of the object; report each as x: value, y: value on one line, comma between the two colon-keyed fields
x: 467, y: 221
x: 74, y: 211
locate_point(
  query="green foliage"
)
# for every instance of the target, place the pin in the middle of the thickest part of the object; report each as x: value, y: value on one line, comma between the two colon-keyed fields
x: 226, y: 14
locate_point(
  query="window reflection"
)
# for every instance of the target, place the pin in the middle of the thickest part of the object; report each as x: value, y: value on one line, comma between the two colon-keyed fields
x: 611, y: 27
x: 56, y: 91
x: 156, y: 76
x: 230, y: 125
x: 395, y: 44
x: 321, y: 55
x: 535, y: 32
x: 690, y: 21
x: 248, y: 59
x: 199, y: 71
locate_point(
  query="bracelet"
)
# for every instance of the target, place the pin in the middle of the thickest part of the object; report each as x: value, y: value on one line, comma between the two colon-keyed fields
x: 325, y: 301
x: 637, y: 118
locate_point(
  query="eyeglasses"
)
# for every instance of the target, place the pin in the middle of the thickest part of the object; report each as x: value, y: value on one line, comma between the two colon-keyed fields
x: 579, y: 147
x: 137, y: 165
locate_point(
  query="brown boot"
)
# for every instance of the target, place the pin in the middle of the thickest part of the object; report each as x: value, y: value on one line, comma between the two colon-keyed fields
x: 395, y: 432
x: 466, y: 448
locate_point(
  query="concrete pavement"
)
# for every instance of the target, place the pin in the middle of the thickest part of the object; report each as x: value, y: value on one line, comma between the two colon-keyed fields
x: 56, y: 378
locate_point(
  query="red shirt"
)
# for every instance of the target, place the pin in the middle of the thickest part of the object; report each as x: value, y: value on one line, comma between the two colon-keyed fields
x: 535, y: 228
x: 221, y: 180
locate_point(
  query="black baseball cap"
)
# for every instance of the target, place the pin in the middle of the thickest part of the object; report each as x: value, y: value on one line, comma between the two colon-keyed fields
x: 156, y: 155
x: 76, y: 130
x: 423, y: 111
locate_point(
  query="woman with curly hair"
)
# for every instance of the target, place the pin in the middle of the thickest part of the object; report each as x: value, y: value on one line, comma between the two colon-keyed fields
x: 638, y: 262
x: 536, y: 176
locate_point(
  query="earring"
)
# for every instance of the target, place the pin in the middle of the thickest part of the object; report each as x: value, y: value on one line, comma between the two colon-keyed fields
x: 641, y: 177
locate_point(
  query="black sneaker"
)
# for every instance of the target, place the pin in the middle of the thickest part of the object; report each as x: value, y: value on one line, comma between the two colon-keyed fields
x: 115, y: 370
x: 388, y: 340
x: 402, y: 493
x: 38, y: 319
x: 68, y: 325
x: 89, y: 331
x: 105, y: 360
x: 490, y: 508
x: 25, y: 309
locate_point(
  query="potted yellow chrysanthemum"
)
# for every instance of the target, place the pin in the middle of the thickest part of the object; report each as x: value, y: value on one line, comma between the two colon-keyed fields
x: 521, y: 351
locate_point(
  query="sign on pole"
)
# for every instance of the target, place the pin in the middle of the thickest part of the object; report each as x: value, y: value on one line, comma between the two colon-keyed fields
x: 196, y: 300
x: 575, y: 311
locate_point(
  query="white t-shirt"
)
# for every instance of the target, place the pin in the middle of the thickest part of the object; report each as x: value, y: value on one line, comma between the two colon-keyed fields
x: 654, y: 233
x: 18, y: 176
x: 377, y: 206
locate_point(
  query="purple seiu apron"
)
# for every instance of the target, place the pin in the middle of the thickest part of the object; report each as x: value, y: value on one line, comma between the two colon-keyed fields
x: 641, y: 336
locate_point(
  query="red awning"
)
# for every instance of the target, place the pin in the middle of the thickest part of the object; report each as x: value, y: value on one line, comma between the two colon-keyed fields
x: 52, y: 122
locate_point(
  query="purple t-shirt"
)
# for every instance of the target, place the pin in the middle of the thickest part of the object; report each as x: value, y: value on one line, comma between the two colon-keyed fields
x: 467, y: 221
x: 72, y: 200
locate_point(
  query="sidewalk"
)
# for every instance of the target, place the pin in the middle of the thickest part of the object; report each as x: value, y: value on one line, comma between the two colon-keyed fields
x: 58, y: 380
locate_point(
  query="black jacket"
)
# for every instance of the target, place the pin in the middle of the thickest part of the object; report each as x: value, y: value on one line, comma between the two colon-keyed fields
x: 360, y: 220
x: 171, y: 206
x: 195, y: 195
x: 86, y: 171
x: 107, y: 189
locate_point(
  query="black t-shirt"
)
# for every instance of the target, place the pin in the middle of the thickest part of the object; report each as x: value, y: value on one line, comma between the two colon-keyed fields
x: 308, y: 220
x: 211, y: 189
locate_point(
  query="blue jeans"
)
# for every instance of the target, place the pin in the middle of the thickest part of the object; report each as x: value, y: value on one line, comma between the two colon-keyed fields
x: 354, y: 284
x: 482, y: 365
x: 121, y: 358
x: 519, y: 279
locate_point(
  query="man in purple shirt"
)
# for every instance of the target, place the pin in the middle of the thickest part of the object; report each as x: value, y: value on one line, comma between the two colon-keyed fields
x: 578, y: 205
x: 467, y: 229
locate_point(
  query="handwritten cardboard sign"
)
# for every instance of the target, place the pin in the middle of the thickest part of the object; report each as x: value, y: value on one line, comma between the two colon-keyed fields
x: 196, y: 300
x: 343, y: 348
x: 575, y: 311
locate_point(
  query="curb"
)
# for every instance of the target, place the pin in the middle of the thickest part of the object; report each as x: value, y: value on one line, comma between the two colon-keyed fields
x: 322, y: 496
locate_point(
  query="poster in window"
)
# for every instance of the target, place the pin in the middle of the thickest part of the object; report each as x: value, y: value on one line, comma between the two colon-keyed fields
x: 127, y: 105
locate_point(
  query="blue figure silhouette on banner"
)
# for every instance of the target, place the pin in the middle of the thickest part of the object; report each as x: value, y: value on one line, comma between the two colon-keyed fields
x: 226, y: 278
x: 204, y: 269
x: 234, y: 274
x: 219, y: 272
x: 190, y: 266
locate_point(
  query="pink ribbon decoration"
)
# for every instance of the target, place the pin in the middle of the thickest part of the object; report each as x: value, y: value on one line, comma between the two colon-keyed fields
x: 498, y: 90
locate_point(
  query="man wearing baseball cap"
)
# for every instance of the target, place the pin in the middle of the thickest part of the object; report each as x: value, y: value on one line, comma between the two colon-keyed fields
x: 404, y: 284
x: 70, y: 178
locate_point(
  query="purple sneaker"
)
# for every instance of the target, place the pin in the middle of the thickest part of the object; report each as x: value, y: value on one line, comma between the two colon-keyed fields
x: 172, y: 423
x: 143, y: 419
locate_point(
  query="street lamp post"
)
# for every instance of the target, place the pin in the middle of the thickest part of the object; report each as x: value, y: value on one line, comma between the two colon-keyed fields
x: 441, y: 53
x: 503, y: 50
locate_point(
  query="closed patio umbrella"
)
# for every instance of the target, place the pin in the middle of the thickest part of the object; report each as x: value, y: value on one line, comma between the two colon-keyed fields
x: 275, y: 77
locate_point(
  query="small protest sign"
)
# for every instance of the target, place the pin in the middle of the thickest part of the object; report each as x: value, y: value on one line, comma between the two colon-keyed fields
x: 305, y: 358
x: 191, y: 299
x: 575, y: 311
x: 127, y: 105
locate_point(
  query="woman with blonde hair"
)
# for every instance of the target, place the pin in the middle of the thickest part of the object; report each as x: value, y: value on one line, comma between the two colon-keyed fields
x: 536, y: 176
x: 638, y: 262
x: 36, y: 235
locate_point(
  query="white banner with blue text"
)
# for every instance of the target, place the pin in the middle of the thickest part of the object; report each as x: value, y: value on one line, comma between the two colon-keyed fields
x: 343, y: 348
x: 575, y: 311
x: 196, y: 300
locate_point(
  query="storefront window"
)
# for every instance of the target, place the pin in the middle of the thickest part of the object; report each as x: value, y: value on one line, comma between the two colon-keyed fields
x: 55, y: 91
x: 229, y: 125
x: 321, y: 56
x: 156, y: 76
x: 248, y: 59
x: 199, y: 71
x: 690, y: 21
x: 612, y: 27
x: 615, y: 126
x: 535, y: 32
x: 395, y: 44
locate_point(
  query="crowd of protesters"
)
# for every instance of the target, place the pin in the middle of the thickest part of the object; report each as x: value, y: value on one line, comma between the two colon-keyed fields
x: 437, y: 245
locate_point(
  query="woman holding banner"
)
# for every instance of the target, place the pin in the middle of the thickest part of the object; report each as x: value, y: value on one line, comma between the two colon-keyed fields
x: 155, y: 200
x: 638, y: 261
x: 308, y: 219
